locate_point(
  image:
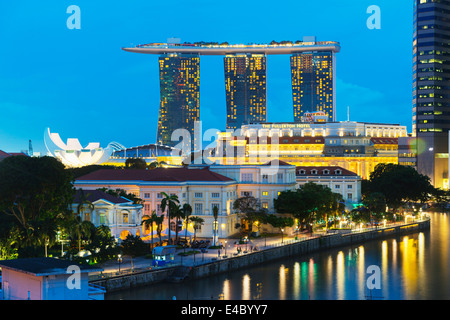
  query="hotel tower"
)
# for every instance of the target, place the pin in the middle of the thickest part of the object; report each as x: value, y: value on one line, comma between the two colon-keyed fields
x: 179, y: 76
x: 245, y: 86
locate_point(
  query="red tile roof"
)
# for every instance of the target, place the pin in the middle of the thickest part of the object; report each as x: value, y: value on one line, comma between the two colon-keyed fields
x: 157, y: 174
x: 322, y: 171
x: 4, y: 154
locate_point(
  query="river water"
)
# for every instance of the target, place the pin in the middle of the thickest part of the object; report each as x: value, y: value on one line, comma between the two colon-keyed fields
x: 415, y: 266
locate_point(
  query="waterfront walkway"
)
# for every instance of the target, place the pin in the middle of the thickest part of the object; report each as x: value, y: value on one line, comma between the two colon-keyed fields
x: 130, y: 265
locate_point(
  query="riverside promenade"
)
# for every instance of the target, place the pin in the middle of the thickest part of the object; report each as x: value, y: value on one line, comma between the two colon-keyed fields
x: 139, y: 271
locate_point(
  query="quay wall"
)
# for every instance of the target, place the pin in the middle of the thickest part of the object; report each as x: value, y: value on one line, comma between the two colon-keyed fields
x: 134, y: 279
x: 304, y: 247
x: 259, y: 257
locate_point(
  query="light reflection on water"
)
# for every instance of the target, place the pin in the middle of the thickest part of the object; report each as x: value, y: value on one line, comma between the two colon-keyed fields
x: 415, y: 266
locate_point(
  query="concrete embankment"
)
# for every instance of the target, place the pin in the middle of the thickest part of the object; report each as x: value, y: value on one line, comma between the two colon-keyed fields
x: 259, y: 257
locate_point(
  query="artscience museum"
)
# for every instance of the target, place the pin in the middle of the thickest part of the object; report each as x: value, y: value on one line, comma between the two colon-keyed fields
x: 73, y: 154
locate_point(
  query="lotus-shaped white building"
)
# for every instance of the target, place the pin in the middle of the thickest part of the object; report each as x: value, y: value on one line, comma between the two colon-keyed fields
x: 72, y: 154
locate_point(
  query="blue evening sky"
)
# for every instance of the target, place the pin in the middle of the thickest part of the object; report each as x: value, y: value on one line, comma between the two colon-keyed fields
x: 82, y: 85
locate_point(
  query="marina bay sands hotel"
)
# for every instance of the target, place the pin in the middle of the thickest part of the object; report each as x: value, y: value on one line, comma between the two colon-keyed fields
x: 312, y: 74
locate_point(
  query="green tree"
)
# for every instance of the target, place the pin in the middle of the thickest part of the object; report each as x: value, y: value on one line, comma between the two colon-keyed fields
x: 34, y: 189
x: 102, y: 245
x: 79, y: 229
x: 169, y: 202
x: 399, y: 184
x: 306, y: 204
x: 159, y: 225
x: 148, y: 222
x: 198, y: 222
x: 249, y: 210
x: 187, y: 211
x: 279, y: 222
x: 375, y: 204
x: 135, y: 163
x: 133, y: 246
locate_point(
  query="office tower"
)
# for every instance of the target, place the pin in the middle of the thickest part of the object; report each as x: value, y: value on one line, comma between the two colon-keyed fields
x: 312, y: 76
x: 179, y: 76
x: 245, y: 85
x: 431, y: 79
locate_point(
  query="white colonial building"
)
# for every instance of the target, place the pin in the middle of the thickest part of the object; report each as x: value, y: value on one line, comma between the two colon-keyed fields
x: 338, y: 179
x: 203, y: 187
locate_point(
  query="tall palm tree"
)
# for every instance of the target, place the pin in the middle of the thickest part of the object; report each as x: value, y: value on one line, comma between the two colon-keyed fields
x: 178, y: 214
x: 187, y: 211
x: 159, y: 224
x: 169, y: 202
x: 80, y: 228
x: 216, y: 215
x: 149, y: 223
x: 198, y: 222
x: 47, y: 233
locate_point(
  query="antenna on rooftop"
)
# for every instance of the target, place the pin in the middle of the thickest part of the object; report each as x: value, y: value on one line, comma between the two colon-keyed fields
x: 348, y: 114
x: 30, y: 148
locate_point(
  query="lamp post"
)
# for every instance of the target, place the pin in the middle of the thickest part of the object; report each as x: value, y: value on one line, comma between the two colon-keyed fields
x: 246, y: 241
x: 225, y: 248
x: 282, y: 230
x: 119, y: 259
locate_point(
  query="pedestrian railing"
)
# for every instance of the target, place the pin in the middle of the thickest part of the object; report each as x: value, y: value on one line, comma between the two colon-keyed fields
x: 129, y: 271
x: 199, y: 258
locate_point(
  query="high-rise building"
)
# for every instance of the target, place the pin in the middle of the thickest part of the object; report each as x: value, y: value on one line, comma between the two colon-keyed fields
x: 245, y: 85
x: 313, y: 78
x: 431, y: 95
x: 179, y: 76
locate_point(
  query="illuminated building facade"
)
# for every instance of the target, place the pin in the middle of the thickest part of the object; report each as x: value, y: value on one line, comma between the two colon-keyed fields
x: 180, y: 95
x: 245, y: 79
x: 245, y: 84
x: 354, y: 146
x: 313, y: 79
x: 431, y: 99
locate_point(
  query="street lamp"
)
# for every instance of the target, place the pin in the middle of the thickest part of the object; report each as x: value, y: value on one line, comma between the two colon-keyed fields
x: 119, y: 259
x: 225, y: 248
x: 282, y: 230
x: 246, y: 241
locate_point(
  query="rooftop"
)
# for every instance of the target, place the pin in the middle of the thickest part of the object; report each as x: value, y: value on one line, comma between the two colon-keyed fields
x: 95, y: 195
x: 44, y: 266
x: 324, y: 171
x: 181, y: 174
x: 203, y: 48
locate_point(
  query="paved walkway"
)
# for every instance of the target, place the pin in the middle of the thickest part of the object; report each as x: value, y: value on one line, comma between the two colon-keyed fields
x: 229, y: 250
x: 128, y: 264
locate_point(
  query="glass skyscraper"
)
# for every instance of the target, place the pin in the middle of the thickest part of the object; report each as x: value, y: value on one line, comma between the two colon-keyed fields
x: 179, y: 76
x: 431, y: 95
x: 245, y: 85
x: 313, y: 78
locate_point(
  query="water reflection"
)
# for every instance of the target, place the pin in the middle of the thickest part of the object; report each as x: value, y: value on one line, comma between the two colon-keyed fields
x: 412, y: 267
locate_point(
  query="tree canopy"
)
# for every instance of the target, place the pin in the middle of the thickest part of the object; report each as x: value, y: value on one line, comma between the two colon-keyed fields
x: 34, y: 189
x: 399, y: 184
